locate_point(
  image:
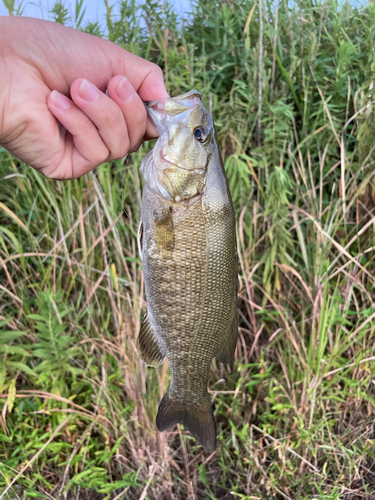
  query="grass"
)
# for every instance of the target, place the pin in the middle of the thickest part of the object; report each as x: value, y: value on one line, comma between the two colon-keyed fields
x: 296, y: 417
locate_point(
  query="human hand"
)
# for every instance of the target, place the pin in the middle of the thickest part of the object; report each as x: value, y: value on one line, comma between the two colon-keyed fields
x: 41, y: 64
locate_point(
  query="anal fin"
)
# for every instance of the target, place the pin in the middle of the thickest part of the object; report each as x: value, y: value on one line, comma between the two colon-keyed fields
x: 228, y: 347
x: 148, y: 344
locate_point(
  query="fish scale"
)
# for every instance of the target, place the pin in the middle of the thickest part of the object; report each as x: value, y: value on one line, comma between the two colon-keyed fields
x: 188, y: 247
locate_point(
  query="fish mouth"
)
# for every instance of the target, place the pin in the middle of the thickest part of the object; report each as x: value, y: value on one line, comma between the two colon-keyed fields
x: 162, y: 157
x: 159, y: 110
x: 172, y: 162
x: 192, y: 95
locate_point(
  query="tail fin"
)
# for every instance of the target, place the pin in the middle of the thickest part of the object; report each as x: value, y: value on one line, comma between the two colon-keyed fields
x: 199, y: 420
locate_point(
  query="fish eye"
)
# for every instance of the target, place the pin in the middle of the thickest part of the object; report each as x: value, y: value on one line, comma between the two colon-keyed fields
x: 200, y: 134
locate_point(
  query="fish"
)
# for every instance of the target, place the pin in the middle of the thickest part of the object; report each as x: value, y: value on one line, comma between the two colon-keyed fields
x: 187, y: 242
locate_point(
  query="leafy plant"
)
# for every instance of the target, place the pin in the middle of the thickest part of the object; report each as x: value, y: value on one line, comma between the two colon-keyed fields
x: 54, y: 346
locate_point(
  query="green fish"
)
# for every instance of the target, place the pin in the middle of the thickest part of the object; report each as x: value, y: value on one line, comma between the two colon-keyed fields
x: 187, y: 241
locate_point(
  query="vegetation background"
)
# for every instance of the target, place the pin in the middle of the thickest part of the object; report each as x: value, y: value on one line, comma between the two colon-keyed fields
x: 290, y: 87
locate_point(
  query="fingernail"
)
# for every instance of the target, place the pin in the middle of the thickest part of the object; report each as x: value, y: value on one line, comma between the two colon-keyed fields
x: 124, y: 90
x: 88, y: 91
x: 59, y: 100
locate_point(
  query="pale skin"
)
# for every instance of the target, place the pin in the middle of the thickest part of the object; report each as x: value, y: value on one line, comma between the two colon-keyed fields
x: 54, y: 111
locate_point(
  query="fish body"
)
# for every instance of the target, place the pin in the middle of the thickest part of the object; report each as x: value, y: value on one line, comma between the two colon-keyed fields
x: 188, y: 246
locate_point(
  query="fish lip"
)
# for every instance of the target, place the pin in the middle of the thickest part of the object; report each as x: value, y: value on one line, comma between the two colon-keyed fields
x: 162, y: 157
x: 192, y: 93
x: 152, y: 104
x: 173, y: 163
x: 151, y: 114
x: 156, y: 116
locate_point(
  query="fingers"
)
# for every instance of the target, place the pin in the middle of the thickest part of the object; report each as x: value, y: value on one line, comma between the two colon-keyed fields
x: 139, y: 127
x: 104, y: 114
x: 145, y: 77
x: 120, y: 117
x: 82, y: 148
x: 151, y: 78
x: 102, y: 127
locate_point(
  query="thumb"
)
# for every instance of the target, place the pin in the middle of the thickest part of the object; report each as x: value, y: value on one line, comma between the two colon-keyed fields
x: 145, y: 76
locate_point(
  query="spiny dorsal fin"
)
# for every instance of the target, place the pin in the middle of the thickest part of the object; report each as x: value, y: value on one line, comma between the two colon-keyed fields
x: 148, y: 344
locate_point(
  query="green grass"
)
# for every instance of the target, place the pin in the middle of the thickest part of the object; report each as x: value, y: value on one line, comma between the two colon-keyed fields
x: 296, y: 418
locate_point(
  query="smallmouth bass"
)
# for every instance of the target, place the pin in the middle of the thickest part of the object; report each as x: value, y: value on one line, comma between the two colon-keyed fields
x: 187, y: 242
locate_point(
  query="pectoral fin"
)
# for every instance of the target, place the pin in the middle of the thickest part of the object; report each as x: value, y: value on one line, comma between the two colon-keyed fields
x: 148, y: 344
x: 226, y: 353
x: 164, y: 229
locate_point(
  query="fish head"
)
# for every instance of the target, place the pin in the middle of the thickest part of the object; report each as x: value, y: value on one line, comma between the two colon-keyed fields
x: 184, y: 148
